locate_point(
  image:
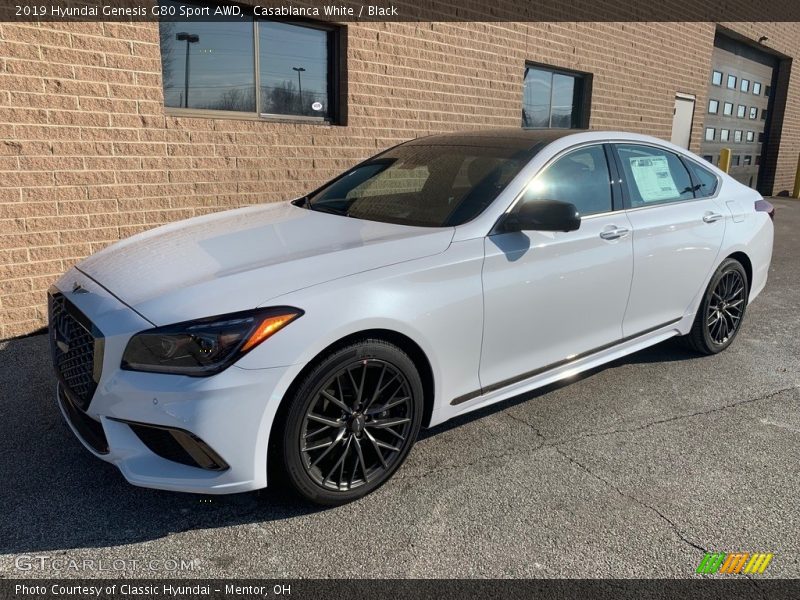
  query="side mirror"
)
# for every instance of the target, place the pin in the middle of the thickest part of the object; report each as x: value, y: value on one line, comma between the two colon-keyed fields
x: 540, y: 215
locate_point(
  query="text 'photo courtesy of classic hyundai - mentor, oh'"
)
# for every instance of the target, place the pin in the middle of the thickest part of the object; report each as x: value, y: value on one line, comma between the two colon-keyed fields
x: 311, y: 340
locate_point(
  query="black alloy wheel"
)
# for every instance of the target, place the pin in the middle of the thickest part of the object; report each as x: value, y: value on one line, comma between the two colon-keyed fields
x: 726, y: 308
x: 722, y: 309
x: 352, y: 422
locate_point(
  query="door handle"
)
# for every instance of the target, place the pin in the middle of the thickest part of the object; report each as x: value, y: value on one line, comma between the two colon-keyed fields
x: 614, y: 233
x: 711, y: 217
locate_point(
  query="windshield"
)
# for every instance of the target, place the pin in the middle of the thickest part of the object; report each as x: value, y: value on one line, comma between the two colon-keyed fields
x: 423, y: 185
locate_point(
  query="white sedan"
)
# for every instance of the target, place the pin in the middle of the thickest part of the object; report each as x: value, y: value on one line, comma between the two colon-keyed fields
x: 310, y: 340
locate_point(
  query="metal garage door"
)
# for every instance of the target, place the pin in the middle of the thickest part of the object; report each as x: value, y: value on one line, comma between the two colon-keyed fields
x: 738, y: 106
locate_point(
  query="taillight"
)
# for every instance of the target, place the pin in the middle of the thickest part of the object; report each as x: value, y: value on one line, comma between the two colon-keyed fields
x: 764, y: 206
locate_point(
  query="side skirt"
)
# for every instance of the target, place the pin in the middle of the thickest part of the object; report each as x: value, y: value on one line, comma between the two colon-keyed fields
x: 563, y: 369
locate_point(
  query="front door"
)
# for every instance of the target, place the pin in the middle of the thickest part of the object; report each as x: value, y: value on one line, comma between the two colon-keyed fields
x: 549, y: 296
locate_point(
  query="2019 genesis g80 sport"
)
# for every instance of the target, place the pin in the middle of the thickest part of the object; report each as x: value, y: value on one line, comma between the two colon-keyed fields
x: 447, y: 273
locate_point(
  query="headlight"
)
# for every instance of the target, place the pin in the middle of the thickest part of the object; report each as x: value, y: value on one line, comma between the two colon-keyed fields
x: 206, y: 346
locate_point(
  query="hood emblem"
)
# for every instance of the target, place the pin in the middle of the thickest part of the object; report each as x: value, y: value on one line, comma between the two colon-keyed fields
x: 77, y: 288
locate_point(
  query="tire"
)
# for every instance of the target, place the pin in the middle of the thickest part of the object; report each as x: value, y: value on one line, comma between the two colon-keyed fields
x: 351, y: 422
x: 721, y: 311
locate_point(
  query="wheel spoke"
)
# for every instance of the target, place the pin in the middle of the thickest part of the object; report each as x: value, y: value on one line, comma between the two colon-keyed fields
x: 377, y: 389
x: 383, y: 423
x: 319, y: 446
x: 361, y: 385
x: 339, y: 462
x: 330, y: 397
x: 325, y: 420
x: 389, y: 405
x: 331, y: 447
x: 376, y: 447
x: 361, y: 460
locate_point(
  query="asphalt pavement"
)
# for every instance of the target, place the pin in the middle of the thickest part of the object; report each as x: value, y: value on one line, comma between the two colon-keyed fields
x: 633, y: 470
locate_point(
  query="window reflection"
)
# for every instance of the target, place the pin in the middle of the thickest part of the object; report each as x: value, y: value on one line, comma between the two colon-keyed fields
x: 294, y: 69
x: 208, y: 65
x: 552, y: 99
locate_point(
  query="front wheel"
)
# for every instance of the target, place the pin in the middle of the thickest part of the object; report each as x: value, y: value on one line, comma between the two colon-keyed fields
x: 721, y: 311
x: 351, y: 422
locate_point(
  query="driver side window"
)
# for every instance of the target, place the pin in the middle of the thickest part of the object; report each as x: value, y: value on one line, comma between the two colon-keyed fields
x: 580, y: 177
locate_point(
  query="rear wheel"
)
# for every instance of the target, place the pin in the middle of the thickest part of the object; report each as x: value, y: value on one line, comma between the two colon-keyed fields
x: 721, y: 311
x: 351, y: 422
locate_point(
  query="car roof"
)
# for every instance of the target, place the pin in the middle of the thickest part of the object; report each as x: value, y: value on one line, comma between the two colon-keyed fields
x: 521, y: 139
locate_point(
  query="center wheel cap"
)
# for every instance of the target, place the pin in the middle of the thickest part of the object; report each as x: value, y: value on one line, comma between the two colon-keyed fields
x: 356, y: 424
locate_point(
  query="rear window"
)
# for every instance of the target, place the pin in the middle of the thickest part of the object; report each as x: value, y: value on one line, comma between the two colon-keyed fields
x: 705, y: 181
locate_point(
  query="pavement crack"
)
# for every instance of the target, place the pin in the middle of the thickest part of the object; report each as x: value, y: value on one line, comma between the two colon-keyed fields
x: 590, y: 434
x: 511, y: 452
x: 631, y: 497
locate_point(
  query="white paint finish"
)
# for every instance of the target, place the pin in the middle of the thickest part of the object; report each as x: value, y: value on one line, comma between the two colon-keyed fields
x: 552, y: 295
x: 184, y: 270
x: 674, y: 250
x: 564, y: 295
x: 682, y: 120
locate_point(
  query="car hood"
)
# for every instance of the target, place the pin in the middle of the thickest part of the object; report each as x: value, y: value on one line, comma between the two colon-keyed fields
x: 240, y: 259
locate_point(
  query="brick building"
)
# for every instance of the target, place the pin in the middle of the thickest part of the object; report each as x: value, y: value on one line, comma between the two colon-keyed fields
x: 105, y: 133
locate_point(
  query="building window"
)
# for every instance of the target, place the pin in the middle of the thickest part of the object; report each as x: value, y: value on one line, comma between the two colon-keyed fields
x: 214, y: 66
x: 750, y: 136
x: 741, y: 110
x: 758, y: 160
x: 748, y: 160
x: 764, y: 114
x: 760, y: 137
x: 737, y: 136
x: 708, y: 158
x: 724, y: 135
x: 713, y: 106
x: 744, y: 86
x: 753, y: 112
x: 732, y: 82
x: 757, y: 88
x: 727, y: 109
x: 767, y: 91
x: 710, y: 133
x: 716, y: 77
x: 295, y: 69
x: 735, y: 159
x: 555, y: 99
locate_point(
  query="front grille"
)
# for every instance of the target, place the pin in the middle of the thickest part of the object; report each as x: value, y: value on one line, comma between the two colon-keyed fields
x: 76, y: 346
x: 178, y: 446
x: 90, y: 430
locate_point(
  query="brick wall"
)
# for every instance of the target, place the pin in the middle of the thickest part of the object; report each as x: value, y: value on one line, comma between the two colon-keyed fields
x: 88, y: 155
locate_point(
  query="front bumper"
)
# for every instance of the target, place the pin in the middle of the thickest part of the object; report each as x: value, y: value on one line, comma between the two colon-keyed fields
x: 205, y: 435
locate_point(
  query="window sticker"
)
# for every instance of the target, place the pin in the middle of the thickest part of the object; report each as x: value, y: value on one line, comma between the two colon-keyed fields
x: 653, y: 178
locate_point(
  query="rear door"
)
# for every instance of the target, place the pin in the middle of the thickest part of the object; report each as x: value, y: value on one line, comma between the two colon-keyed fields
x: 678, y: 226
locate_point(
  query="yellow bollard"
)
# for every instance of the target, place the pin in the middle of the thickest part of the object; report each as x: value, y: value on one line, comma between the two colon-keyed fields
x: 725, y: 160
x: 796, y: 192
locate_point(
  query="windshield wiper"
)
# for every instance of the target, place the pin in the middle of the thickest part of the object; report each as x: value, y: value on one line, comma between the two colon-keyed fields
x: 328, y: 209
